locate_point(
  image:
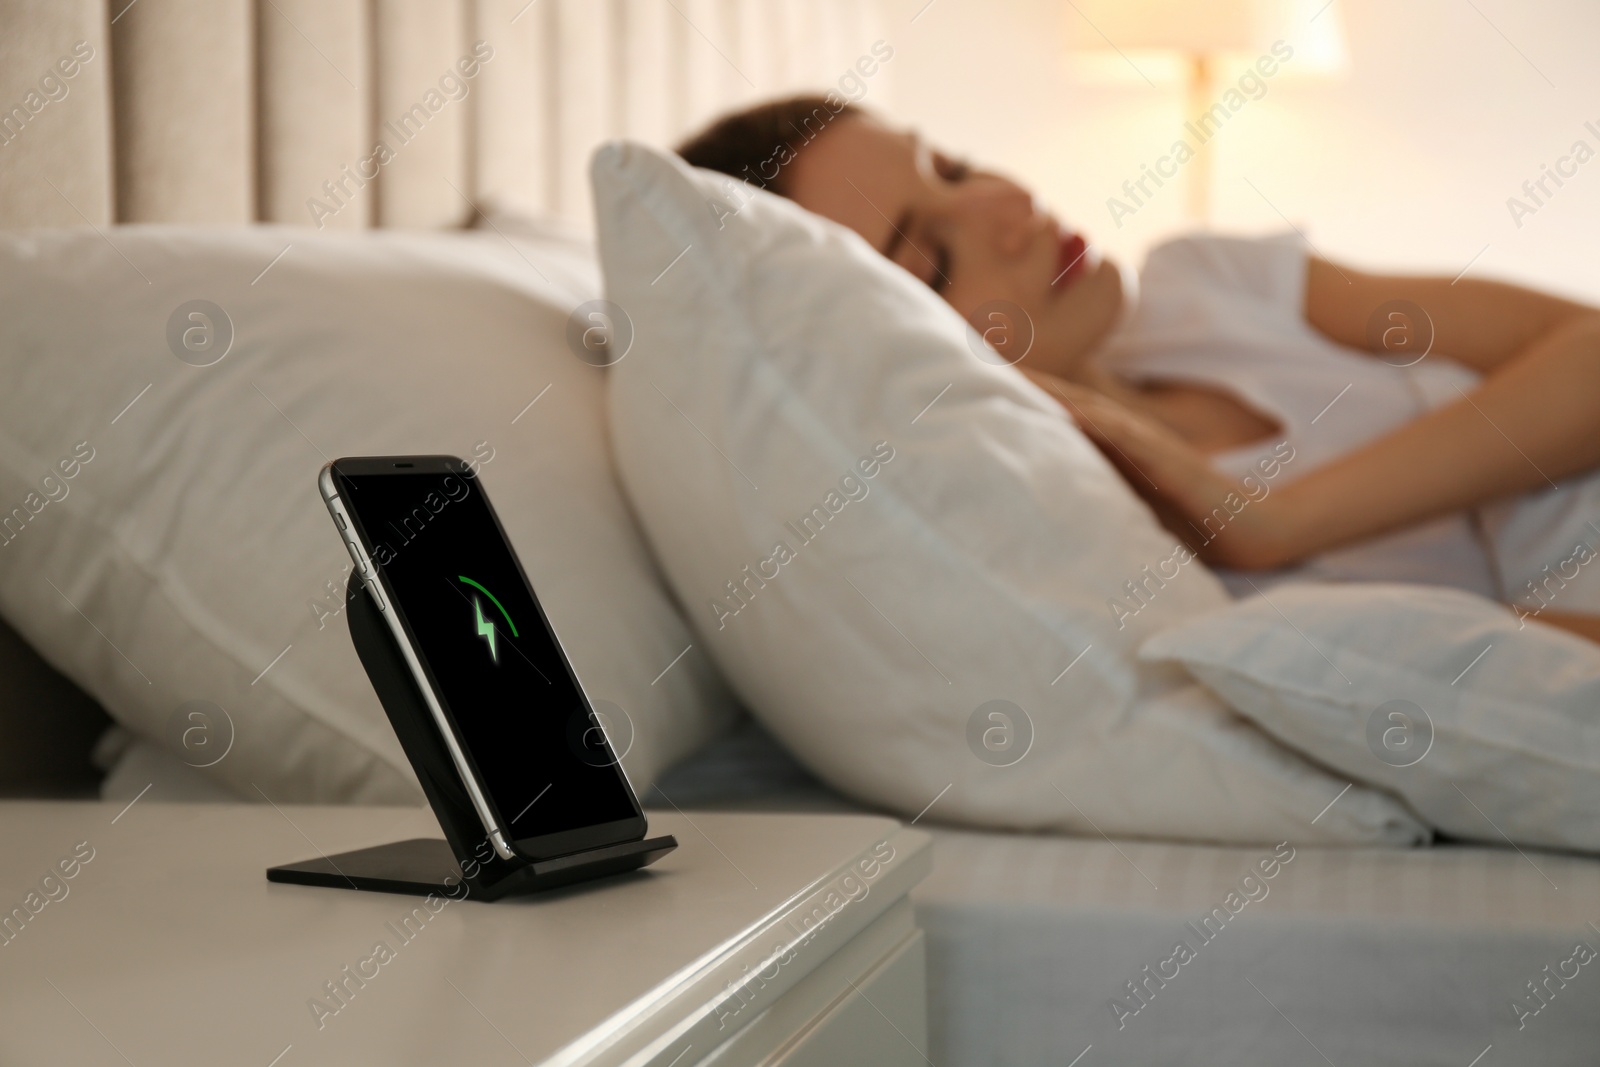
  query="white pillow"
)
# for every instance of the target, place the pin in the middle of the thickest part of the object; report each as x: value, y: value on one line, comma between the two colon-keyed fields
x: 560, y: 252
x: 1489, y: 728
x: 970, y: 538
x: 193, y: 546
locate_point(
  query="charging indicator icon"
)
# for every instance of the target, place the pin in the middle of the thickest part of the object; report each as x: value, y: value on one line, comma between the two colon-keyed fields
x: 485, y: 626
x: 485, y: 630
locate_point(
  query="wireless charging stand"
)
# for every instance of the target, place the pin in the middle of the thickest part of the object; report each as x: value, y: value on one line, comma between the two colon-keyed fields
x: 423, y: 866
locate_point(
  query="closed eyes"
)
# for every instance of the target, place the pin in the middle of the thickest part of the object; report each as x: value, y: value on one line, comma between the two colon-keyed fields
x: 951, y: 170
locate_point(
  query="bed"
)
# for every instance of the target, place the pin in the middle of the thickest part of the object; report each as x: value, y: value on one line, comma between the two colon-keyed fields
x: 1042, y: 949
x: 1370, y: 956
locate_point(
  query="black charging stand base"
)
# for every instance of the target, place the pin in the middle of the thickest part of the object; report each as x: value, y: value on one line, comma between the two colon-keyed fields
x: 426, y: 865
x: 464, y: 858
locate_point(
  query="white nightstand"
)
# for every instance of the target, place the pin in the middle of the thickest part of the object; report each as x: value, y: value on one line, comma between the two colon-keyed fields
x: 771, y: 939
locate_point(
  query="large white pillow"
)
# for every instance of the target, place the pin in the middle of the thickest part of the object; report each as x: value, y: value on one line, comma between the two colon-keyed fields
x: 1487, y: 726
x: 192, y: 552
x: 970, y: 538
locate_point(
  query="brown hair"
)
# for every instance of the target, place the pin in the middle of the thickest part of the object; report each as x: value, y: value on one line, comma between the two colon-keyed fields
x: 754, y: 144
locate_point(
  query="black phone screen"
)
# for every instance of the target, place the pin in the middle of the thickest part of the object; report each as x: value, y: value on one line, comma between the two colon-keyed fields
x: 496, y: 665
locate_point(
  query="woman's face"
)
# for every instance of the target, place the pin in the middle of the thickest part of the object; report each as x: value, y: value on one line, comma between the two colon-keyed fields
x: 977, y: 238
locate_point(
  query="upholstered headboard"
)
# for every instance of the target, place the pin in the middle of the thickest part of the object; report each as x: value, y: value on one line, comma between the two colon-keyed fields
x: 350, y: 114
x: 234, y: 111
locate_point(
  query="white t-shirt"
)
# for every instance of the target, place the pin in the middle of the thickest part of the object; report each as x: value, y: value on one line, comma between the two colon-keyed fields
x: 1227, y: 313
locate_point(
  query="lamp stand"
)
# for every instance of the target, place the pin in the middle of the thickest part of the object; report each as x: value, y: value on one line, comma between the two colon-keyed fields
x: 1199, y: 186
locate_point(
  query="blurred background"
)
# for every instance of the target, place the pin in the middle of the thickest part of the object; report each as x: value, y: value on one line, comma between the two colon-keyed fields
x: 1402, y: 154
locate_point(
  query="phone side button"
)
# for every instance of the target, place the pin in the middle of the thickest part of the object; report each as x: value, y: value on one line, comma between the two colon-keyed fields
x: 377, y: 596
x: 359, y: 558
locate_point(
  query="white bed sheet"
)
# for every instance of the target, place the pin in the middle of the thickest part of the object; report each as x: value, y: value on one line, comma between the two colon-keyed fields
x: 1359, y: 957
x: 1354, y: 956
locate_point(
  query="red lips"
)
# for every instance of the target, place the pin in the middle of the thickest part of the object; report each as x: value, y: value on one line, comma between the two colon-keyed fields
x: 1072, y: 260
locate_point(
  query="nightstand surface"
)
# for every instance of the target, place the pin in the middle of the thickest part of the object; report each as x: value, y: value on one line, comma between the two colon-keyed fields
x: 170, y: 946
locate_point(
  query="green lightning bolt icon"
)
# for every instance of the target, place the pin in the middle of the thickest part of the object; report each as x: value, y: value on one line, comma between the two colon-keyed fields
x: 486, y: 630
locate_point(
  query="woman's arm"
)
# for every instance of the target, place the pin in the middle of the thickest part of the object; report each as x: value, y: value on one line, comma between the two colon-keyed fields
x: 1165, y: 469
x: 1481, y: 324
x: 1532, y: 420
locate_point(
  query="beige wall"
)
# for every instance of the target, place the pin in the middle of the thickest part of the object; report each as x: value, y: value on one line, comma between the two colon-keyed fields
x: 1405, y: 162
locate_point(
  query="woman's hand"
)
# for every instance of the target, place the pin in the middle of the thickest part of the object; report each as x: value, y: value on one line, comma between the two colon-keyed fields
x: 1218, y: 517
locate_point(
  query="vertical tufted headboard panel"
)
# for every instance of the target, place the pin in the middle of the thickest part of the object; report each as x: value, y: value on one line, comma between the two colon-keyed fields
x: 360, y: 113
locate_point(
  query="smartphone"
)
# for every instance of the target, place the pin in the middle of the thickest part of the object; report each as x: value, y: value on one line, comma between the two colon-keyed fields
x: 434, y: 558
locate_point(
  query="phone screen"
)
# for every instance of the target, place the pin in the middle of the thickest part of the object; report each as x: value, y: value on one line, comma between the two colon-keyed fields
x: 496, y: 665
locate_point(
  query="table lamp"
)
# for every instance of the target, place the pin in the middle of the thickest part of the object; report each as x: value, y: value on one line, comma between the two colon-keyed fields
x: 1194, y: 40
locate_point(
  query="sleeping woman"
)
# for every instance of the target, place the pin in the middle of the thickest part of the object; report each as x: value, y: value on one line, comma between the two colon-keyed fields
x: 1278, y: 411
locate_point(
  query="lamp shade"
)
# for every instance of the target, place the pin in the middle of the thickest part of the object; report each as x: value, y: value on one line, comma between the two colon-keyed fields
x: 1152, y: 34
x: 1192, y: 26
